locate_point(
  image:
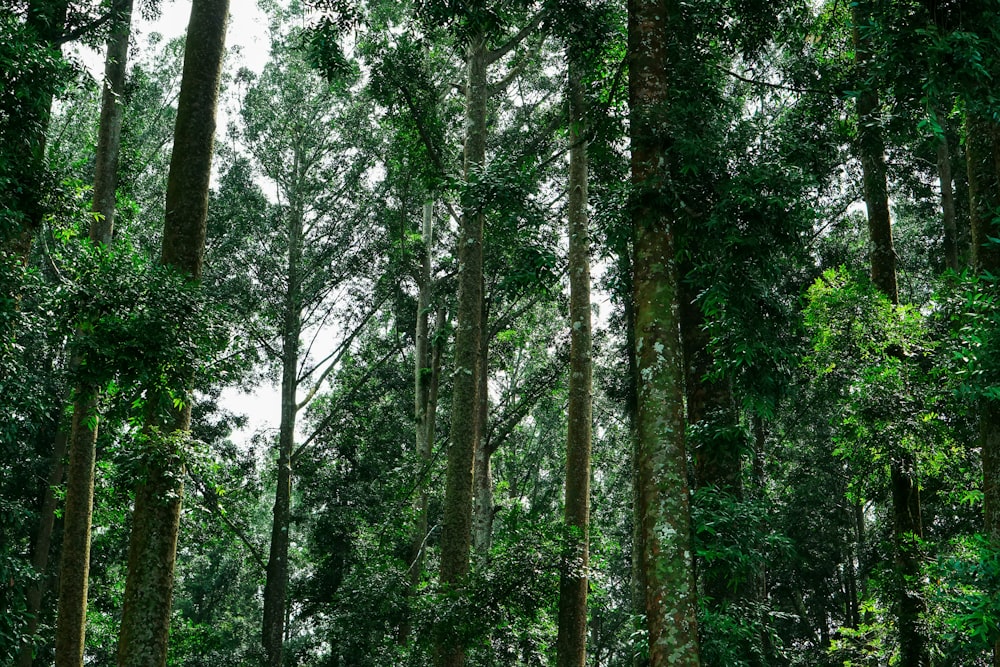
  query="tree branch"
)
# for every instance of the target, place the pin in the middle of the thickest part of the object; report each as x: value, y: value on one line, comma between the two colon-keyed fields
x: 333, y: 411
x: 511, y: 44
x: 337, y: 355
x: 773, y: 86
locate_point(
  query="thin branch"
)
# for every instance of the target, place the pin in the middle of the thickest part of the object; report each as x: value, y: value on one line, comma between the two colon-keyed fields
x: 210, y: 500
x: 516, y: 70
x: 773, y: 86
x: 333, y: 412
x: 340, y: 352
x: 499, y: 52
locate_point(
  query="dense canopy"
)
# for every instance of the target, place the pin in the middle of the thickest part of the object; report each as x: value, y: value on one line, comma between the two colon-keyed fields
x: 595, y: 333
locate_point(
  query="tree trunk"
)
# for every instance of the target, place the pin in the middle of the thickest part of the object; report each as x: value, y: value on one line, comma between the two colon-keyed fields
x: 571, y: 646
x: 74, y: 568
x: 276, y: 585
x: 983, y: 156
x: 663, y: 517
x: 482, y: 474
x: 712, y: 420
x: 43, y: 541
x: 905, y: 496
x: 156, y: 516
x: 947, y: 197
x: 47, y: 18
x: 456, y: 524
x: 423, y: 379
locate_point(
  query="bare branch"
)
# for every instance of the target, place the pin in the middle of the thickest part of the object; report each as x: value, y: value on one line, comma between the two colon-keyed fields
x: 499, y: 52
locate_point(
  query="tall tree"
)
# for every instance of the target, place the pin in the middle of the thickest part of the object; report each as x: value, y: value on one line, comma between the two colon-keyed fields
x: 156, y: 515
x: 75, y: 565
x: 456, y: 529
x: 573, y: 577
x: 663, y: 517
x: 983, y: 155
x: 905, y: 496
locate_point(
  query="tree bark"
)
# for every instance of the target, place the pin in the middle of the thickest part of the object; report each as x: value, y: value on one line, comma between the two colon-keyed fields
x: 457, y: 520
x: 482, y: 473
x: 423, y: 380
x: 664, y: 515
x: 947, y: 198
x: 43, y: 540
x: 74, y: 568
x: 983, y: 156
x: 156, y: 516
x: 905, y: 494
x: 571, y: 646
x: 276, y: 584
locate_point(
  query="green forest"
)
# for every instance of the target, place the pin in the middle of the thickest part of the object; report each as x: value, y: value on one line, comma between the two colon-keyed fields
x: 597, y: 333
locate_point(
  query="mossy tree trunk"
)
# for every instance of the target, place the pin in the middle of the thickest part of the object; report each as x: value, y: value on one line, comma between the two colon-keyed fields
x: 74, y: 568
x: 156, y: 516
x: 662, y: 490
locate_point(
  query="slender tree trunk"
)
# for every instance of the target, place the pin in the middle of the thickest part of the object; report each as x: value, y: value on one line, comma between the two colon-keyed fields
x: 905, y: 496
x: 983, y: 155
x: 664, y: 516
x: 482, y: 474
x: 276, y: 585
x: 571, y: 646
x: 637, y: 592
x: 947, y: 197
x: 74, y: 569
x: 422, y: 381
x: 457, y: 520
x: 43, y: 541
x: 155, y: 519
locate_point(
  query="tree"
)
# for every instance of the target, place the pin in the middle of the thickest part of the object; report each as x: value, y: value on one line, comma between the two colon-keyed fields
x: 75, y: 565
x: 663, y: 518
x: 573, y: 573
x: 153, y: 541
x: 905, y: 493
x: 300, y: 131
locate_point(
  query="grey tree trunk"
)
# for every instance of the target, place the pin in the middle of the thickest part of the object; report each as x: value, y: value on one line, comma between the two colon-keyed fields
x: 457, y: 520
x: 276, y: 585
x: 662, y: 491
x: 74, y: 568
x: 156, y: 516
x: 571, y: 646
x: 426, y: 367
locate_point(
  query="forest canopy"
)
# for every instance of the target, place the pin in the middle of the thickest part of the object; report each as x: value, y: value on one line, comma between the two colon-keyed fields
x: 647, y: 334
